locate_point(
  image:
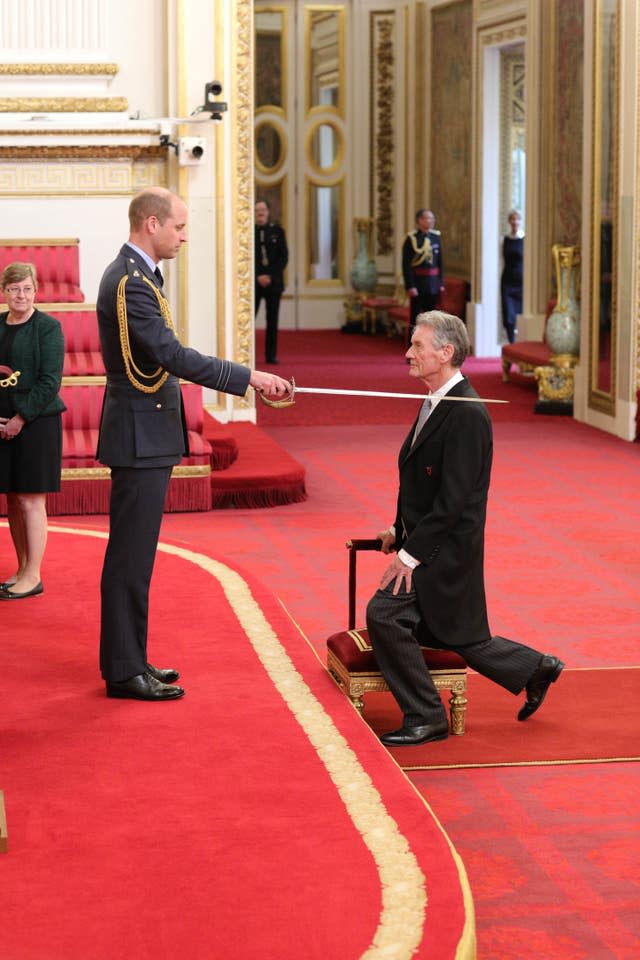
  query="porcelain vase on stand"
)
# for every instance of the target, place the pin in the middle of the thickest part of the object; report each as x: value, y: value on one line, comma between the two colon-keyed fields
x: 563, y: 326
x: 364, y: 273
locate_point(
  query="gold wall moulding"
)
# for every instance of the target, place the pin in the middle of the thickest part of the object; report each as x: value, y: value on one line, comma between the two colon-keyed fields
x: 63, y: 104
x: 128, y: 151
x: 77, y: 132
x: 78, y: 178
x: 381, y: 84
x: 58, y: 69
x: 242, y: 172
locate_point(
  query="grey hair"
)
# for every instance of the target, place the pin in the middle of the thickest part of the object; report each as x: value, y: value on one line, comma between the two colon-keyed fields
x: 447, y: 329
x: 20, y: 270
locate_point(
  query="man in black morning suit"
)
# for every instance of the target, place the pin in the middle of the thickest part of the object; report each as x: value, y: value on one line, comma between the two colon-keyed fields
x: 422, y: 268
x: 143, y: 431
x: 271, y: 258
x: 432, y: 593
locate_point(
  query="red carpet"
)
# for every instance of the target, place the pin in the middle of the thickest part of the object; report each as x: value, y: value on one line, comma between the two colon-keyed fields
x: 567, y: 729
x: 240, y: 822
x: 552, y: 856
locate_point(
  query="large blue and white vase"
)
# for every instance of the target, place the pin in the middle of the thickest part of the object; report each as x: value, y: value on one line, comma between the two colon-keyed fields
x: 563, y: 326
x: 364, y: 273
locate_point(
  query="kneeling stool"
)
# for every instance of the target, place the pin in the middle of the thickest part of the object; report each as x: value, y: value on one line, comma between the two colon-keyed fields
x: 352, y: 664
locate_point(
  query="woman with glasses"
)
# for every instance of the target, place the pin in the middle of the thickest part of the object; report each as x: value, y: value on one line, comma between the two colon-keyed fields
x: 31, y: 359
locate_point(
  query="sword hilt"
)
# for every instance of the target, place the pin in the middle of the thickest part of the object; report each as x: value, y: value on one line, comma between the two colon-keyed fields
x: 285, y: 402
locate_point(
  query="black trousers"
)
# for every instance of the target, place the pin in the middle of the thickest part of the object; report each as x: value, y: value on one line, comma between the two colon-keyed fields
x: 135, y: 515
x: 271, y: 297
x: 511, y: 298
x: 392, y: 623
x: 425, y: 300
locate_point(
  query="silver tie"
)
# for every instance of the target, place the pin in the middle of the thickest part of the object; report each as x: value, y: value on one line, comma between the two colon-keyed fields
x: 425, y: 410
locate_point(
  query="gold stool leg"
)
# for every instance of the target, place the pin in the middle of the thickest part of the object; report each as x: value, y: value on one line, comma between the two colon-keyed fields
x: 458, y: 705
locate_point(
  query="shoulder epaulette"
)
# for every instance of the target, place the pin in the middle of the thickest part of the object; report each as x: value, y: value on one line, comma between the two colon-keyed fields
x: 434, y: 231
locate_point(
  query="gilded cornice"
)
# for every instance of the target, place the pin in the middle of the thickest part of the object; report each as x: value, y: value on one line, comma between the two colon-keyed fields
x: 129, y: 151
x: 242, y: 176
x: 507, y: 34
x: 78, y: 132
x: 58, y: 69
x: 63, y: 104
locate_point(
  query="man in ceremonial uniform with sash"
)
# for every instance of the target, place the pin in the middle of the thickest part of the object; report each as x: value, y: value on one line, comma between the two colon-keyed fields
x: 422, y: 266
x: 143, y: 432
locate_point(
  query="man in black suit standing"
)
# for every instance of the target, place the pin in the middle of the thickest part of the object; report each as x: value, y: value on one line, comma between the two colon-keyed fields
x: 271, y: 258
x: 143, y: 433
x: 432, y: 593
x: 422, y: 265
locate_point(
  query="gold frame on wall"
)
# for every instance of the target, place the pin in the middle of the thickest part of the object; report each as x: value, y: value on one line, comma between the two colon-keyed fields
x: 284, y: 53
x: 284, y: 147
x: 328, y: 9
x: 338, y: 281
x: 599, y: 398
x: 308, y: 150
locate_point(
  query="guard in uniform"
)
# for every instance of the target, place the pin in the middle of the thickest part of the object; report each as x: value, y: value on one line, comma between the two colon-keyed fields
x: 422, y: 266
x: 271, y: 258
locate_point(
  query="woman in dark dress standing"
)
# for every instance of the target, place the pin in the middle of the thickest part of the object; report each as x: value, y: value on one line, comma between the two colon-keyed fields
x: 511, y: 280
x: 31, y: 360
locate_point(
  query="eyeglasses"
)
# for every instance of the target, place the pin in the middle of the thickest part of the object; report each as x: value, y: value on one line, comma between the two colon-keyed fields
x: 14, y: 291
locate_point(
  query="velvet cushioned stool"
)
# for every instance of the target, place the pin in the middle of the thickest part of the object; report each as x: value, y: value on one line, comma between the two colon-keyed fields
x: 352, y: 663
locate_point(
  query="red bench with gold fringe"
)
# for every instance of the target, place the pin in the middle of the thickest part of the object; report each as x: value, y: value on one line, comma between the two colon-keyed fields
x: 86, y: 482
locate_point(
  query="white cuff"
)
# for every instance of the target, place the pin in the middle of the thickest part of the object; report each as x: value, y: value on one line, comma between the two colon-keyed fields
x: 407, y: 559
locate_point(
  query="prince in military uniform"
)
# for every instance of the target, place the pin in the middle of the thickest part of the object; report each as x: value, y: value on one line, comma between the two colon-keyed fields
x: 272, y: 256
x: 143, y: 433
x: 422, y: 265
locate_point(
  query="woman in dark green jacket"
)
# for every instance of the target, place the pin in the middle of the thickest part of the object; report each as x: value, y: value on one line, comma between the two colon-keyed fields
x: 31, y: 360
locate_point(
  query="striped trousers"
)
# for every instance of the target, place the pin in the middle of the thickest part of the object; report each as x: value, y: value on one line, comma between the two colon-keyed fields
x: 393, y: 622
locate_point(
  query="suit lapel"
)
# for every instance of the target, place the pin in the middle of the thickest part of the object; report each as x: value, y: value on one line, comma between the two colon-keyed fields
x: 440, y: 412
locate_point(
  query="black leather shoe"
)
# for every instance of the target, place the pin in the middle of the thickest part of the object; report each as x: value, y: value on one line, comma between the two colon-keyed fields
x: 164, y: 676
x: 6, y: 594
x: 547, y: 673
x: 410, y: 736
x: 143, y: 687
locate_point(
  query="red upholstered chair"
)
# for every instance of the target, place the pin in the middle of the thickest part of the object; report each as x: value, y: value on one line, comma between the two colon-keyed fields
x: 526, y: 354
x: 453, y: 300
x: 352, y: 664
x: 57, y: 264
x: 377, y: 305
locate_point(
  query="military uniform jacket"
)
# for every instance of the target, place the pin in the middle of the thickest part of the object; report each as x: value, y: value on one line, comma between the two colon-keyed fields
x: 274, y: 249
x: 416, y: 239
x: 140, y: 429
x: 441, y: 512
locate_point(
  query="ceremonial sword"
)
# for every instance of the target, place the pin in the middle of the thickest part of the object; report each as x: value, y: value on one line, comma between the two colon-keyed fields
x: 331, y: 391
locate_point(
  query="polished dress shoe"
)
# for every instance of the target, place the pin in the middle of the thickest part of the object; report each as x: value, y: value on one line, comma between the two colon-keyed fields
x: 164, y: 676
x: 410, y: 736
x: 549, y: 669
x: 6, y: 594
x: 143, y: 687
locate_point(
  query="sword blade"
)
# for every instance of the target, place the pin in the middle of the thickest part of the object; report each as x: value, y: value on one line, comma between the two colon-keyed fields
x: 392, y: 396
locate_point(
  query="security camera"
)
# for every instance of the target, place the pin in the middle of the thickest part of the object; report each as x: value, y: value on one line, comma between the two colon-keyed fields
x: 211, y: 90
x: 215, y: 107
x: 191, y: 151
